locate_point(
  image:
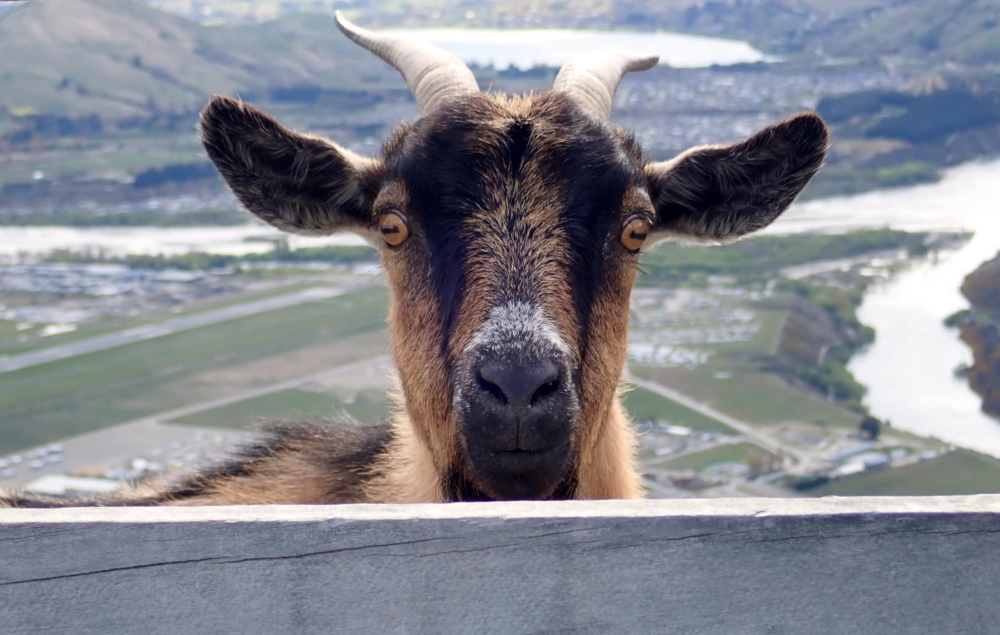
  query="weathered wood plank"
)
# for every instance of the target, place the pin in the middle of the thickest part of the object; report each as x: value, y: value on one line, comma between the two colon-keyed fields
x: 830, y: 566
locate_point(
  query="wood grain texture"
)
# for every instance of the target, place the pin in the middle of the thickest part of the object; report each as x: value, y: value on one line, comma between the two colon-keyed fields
x: 748, y: 566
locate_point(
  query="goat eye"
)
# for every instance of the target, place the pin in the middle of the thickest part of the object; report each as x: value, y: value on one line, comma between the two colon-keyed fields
x: 394, y: 229
x: 635, y: 233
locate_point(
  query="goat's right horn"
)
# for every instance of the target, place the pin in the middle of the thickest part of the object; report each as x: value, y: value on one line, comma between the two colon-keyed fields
x: 593, y: 79
x: 433, y: 74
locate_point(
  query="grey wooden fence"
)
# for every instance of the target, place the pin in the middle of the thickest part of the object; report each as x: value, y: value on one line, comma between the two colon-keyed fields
x: 748, y: 566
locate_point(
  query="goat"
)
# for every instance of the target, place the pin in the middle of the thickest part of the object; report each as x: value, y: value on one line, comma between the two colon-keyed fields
x: 510, y: 228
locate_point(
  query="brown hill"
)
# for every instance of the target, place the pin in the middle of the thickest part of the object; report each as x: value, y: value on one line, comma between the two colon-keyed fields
x: 123, y: 59
x: 965, y: 31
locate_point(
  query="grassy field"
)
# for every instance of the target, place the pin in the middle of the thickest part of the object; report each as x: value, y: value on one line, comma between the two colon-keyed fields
x: 644, y: 405
x: 287, y: 405
x: 9, y: 335
x: 753, y: 396
x: 51, y: 401
x: 955, y: 473
x: 731, y: 381
x: 725, y: 453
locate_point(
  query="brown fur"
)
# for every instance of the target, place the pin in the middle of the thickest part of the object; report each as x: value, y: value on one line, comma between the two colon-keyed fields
x: 524, y: 166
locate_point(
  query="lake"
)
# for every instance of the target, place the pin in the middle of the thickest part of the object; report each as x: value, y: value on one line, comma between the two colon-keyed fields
x: 908, y: 370
x: 526, y: 48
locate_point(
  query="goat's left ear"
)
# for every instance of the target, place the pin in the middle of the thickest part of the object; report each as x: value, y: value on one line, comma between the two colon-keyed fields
x: 299, y: 183
x: 717, y: 194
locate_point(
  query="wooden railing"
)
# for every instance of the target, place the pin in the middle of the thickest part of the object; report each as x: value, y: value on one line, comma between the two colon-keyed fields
x: 747, y: 566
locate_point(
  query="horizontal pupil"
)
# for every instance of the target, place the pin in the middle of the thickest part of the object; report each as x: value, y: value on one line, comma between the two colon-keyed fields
x: 391, y: 230
x: 641, y: 236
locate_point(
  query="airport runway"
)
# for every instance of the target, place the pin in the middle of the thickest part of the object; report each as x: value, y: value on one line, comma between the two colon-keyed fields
x: 167, y: 327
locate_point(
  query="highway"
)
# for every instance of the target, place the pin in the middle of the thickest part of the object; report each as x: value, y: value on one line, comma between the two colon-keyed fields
x: 167, y: 327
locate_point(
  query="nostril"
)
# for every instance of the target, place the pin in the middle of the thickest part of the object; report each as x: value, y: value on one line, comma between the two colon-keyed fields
x: 545, y: 391
x: 490, y: 388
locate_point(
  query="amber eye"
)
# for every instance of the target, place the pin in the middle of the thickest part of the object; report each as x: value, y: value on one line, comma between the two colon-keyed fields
x: 393, y: 228
x: 635, y: 233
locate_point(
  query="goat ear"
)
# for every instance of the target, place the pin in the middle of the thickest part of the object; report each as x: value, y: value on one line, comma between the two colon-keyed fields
x: 717, y: 194
x: 298, y: 183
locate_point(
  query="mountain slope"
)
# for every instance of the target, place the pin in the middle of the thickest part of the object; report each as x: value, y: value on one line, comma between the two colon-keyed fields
x: 122, y: 59
x: 965, y: 31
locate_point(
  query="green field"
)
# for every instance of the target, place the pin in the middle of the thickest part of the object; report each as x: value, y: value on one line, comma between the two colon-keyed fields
x: 287, y: 405
x: 644, y: 405
x: 9, y: 335
x: 955, y: 473
x: 725, y: 453
x: 754, y: 396
x: 52, y: 401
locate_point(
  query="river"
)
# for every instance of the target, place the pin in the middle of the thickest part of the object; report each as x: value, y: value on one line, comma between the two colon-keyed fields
x: 119, y: 241
x: 526, y: 48
x: 908, y: 370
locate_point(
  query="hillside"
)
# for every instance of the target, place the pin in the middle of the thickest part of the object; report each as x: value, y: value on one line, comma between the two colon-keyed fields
x: 965, y: 31
x: 122, y: 59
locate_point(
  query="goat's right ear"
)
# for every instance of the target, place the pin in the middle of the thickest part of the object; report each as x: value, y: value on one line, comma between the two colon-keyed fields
x: 718, y: 194
x: 298, y: 183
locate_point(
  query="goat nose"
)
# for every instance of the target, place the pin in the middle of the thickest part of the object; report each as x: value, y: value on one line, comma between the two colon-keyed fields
x: 519, y: 384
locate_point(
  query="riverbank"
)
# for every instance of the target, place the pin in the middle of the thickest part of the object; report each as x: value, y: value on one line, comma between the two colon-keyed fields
x: 978, y: 328
x: 909, y: 369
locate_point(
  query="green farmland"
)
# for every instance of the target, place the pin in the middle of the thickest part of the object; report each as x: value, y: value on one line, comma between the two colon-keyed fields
x: 725, y: 453
x: 952, y: 474
x: 645, y: 405
x: 288, y: 405
x: 52, y: 401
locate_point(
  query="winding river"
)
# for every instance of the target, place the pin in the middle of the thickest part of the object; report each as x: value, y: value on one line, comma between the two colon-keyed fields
x: 908, y: 370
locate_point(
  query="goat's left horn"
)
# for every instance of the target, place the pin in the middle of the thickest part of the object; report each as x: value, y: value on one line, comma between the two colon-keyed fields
x: 593, y: 79
x: 433, y: 74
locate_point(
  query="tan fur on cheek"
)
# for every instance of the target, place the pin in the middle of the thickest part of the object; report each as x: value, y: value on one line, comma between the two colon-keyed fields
x: 415, y: 333
x: 606, y: 462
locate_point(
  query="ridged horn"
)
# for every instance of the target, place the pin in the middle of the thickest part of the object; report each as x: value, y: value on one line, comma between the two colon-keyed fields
x: 594, y: 78
x: 433, y: 74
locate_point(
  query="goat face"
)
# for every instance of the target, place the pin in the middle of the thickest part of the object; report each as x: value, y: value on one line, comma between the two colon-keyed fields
x: 510, y: 230
x: 515, y: 210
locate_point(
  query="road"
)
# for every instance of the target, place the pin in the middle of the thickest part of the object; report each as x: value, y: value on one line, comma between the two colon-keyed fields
x: 167, y: 327
x: 748, y: 430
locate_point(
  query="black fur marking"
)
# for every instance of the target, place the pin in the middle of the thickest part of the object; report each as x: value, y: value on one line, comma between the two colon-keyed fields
x: 517, y: 146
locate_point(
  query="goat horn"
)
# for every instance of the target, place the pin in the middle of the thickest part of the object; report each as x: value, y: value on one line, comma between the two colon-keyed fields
x: 593, y: 79
x: 432, y: 73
